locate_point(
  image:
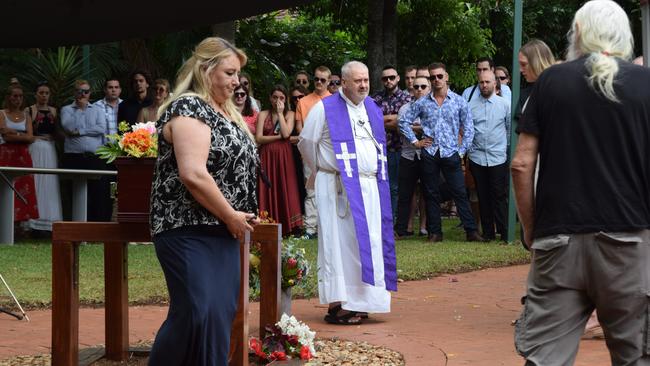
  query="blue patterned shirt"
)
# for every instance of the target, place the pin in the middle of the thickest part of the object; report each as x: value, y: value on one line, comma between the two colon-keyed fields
x: 391, y: 104
x: 441, y: 123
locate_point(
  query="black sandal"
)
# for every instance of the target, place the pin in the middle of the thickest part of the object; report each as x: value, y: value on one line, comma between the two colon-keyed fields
x: 333, y: 317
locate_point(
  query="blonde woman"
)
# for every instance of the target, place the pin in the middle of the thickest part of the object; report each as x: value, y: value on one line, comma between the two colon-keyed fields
x: 161, y: 93
x: 203, y: 201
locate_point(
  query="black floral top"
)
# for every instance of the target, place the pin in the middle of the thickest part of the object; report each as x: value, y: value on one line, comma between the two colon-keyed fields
x: 232, y: 162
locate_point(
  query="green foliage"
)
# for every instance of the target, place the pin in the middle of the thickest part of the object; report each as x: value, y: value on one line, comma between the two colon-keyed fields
x: 443, y: 30
x: 60, y: 68
x: 278, y: 46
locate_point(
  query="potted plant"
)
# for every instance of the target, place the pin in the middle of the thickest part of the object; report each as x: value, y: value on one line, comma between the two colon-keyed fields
x: 295, y: 269
x: 133, y: 150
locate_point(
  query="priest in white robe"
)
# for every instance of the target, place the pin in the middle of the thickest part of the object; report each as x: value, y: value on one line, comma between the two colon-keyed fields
x: 343, y: 141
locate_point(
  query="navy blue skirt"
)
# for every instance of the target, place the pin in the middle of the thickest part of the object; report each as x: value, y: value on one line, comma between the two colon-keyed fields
x: 201, y: 267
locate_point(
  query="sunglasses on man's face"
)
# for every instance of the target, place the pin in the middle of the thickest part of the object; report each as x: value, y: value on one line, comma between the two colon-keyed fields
x: 83, y: 91
x: 244, y: 83
x: 335, y: 82
x: 439, y: 76
x: 295, y: 98
x: 320, y: 80
x: 389, y: 77
x: 502, y: 77
x: 240, y: 95
x: 302, y: 81
x: 418, y: 87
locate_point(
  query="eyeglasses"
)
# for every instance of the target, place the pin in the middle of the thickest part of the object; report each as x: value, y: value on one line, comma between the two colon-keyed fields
x: 161, y: 89
x: 389, y: 77
x: 335, y: 82
x: 320, y: 80
x: 502, y: 77
x: 295, y: 98
x: 240, y: 95
x: 423, y: 87
x: 83, y: 91
x: 302, y: 81
x: 439, y: 76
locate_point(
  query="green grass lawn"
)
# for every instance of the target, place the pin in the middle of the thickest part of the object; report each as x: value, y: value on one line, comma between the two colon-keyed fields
x: 27, y: 266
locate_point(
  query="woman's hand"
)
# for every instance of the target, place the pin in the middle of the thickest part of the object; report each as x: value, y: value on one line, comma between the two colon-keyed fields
x: 240, y: 222
x: 279, y: 107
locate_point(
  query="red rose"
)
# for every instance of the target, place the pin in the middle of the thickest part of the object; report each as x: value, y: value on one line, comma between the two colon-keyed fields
x: 293, y: 340
x: 279, y: 356
x: 291, y: 262
x: 305, y: 354
x: 256, y: 346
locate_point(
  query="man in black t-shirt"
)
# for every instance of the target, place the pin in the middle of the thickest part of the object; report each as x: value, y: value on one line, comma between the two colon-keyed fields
x: 140, y: 98
x: 587, y: 222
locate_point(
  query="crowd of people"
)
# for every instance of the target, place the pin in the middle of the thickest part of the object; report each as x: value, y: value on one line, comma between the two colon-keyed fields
x: 462, y: 171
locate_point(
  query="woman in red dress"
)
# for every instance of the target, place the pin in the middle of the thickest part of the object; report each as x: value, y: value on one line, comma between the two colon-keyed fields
x: 279, y: 193
x: 15, y: 137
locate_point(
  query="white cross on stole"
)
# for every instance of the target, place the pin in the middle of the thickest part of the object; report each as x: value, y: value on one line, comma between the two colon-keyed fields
x: 346, y: 157
x: 383, y: 159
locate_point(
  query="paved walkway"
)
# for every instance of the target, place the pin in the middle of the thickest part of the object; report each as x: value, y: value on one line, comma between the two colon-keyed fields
x: 449, y: 320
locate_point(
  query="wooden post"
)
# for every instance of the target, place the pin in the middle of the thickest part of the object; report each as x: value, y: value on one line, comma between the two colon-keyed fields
x: 239, y: 332
x: 117, y: 300
x: 270, y: 275
x: 65, y: 303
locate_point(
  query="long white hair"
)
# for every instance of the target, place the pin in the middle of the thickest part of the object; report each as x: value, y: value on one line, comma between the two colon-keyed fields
x: 601, y: 31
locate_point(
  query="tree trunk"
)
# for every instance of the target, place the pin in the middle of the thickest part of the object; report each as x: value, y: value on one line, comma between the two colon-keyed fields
x: 375, y: 39
x: 225, y: 30
x: 390, y: 35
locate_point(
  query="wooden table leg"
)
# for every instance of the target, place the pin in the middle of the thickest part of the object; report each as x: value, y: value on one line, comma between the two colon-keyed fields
x: 117, y: 300
x: 65, y: 303
x: 270, y: 284
x: 239, y: 333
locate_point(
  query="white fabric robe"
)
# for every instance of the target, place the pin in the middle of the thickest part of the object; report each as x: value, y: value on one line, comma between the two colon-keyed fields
x: 339, y: 266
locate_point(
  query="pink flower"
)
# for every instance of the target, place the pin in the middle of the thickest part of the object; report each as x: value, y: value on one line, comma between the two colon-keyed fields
x: 291, y: 262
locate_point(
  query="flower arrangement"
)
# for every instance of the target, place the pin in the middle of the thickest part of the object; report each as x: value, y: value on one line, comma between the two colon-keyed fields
x: 294, y: 265
x: 140, y: 142
x: 286, y: 339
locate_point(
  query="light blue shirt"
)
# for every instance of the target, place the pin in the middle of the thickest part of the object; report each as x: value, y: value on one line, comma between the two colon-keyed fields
x: 441, y: 123
x: 110, y: 114
x: 85, y: 128
x: 491, y: 130
x: 506, y: 93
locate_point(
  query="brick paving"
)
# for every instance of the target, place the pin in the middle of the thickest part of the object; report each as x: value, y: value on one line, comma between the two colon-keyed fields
x: 448, y: 320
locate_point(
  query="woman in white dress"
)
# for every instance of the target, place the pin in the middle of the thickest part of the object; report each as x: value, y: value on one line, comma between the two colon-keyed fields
x: 41, y: 116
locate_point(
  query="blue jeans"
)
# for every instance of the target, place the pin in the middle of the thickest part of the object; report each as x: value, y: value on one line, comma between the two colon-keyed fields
x: 451, y: 169
x: 393, y: 178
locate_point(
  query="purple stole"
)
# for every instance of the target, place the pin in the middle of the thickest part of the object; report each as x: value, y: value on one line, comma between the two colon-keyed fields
x: 342, y: 137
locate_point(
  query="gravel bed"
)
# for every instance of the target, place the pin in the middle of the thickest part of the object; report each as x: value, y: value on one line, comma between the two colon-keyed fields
x: 330, y: 352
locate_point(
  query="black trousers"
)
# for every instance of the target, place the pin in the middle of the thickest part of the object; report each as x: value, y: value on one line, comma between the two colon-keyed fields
x: 492, y: 189
x: 201, y: 267
x: 410, y: 172
x: 100, y: 204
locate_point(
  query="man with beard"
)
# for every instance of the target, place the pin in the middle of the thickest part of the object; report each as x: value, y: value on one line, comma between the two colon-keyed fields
x: 129, y: 109
x: 391, y: 99
x: 344, y: 144
x: 442, y: 114
x: 587, y: 220
x: 488, y: 155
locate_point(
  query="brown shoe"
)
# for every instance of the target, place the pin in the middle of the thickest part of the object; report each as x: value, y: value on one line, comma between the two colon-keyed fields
x: 434, y: 238
x: 474, y: 236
